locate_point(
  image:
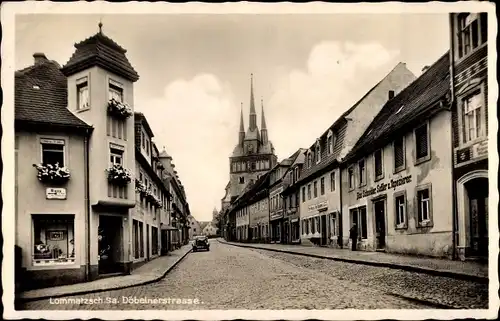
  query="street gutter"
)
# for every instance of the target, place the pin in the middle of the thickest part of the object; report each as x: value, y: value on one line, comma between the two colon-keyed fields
x: 409, y: 268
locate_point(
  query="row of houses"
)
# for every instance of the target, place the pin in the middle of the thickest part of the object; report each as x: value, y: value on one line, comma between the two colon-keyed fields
x: 407, y: 166
x: 94, y: 196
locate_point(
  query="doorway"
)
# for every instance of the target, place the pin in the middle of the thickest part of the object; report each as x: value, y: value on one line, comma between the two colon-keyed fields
x: 477, y: 190
x: 379, y: 209
x: 109, y: 244
x: 147, y: 242
x: 323, y: 230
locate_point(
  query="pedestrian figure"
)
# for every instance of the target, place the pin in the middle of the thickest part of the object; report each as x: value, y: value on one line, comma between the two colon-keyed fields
x: 353, y: 235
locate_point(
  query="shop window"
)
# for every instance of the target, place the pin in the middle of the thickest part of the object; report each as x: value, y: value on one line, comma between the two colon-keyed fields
x: 315, y: 189
x: 333, y: 225
x: 400, y: 210
x: 332, y: 181
x: 424, y: 206
x: 82, y: 89
x: 322, y: 186
x: 53, y: 239
x: 422, y: 143
x: 53, y: 152
x: 154, y: 240
x: 317, y: 222
x: 399, y: 154
x: 379, y: 168
x: 358, y: 217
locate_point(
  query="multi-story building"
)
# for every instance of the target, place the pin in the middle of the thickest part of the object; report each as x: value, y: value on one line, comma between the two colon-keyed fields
x: 320, y: 205
x: 195, y: 228
x: 469, y: 68
x: 396, y: 182
x: 152, y: 195
x: 276, y: 202
x: 251, y: 211
x: 51, y: 200
x: 291, y: 199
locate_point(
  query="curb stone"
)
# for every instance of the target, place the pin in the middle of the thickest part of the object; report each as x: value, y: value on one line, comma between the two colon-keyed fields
x: 409, y: 268
x: 83, y: 292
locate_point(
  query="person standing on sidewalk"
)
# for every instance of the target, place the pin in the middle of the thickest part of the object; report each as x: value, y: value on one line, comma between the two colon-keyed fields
x: 353, y: 235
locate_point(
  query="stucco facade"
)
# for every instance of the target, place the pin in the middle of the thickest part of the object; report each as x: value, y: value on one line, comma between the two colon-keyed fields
x: 372, y: 204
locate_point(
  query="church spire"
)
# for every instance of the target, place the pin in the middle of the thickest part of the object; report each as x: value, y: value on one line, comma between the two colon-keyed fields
x: 263, y: 124
x: 253, y: 114
x: 242, y: 127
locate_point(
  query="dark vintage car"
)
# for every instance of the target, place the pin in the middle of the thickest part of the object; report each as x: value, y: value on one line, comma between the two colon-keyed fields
x: 201, y: 242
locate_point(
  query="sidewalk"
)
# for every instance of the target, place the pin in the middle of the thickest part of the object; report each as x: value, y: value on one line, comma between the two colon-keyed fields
x: 147, y: 273
x: 469, y: 270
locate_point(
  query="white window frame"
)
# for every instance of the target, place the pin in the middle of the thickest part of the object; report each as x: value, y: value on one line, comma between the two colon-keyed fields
x: 54, y: 141
x: 362, y: 173
x: 82, y: 83
x: 329, y: 142
x: 112, y: 91
x: 427, y: 204
x: 333, y: 182
x: 400, y: 218
x: 318, y: 152
x: 322, y: 187
x: 465, y: 111
x: 460, y: 39
x: 351, y: 178
x: 113, y: 154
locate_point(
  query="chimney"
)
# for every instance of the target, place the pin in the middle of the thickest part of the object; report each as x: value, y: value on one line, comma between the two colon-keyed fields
x: 391, y: 94
x: 425, y: 69
x: 39, y: 58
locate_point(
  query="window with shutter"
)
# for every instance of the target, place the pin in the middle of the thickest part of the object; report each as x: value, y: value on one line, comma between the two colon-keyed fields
x: 422, y: 141
x: 378, y: 163
x: 399, y: 159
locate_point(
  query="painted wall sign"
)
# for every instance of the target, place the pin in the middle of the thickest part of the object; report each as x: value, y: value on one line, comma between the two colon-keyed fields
x: 383, y: 187
x: 472, y: 152
x: 480, y: 149
x: 318, y: 206
x: 55, y: 193
x: 52, y: 141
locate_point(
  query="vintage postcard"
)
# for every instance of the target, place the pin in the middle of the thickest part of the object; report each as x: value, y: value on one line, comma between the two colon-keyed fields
x: 244, y: 160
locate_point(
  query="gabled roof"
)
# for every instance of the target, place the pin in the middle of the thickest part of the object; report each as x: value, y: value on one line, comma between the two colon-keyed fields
x: 41, y: 97
x: 420, y: 98
x: 139, y: 117
x: 100, y: 50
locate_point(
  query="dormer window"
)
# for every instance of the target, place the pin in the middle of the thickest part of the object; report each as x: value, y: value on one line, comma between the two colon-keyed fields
x: 331, y: 139
x: 309, y: 159
x: 82, y: 89
x: 115, y: 90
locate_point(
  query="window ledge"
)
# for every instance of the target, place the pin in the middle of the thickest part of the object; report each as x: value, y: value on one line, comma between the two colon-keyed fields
x: 399, y: 169
x: 426, y: 223
x: 378, y: 178
x: 53, y: 262
x: 82, y: 110
x: 422, y: 160
x: 401, y: 226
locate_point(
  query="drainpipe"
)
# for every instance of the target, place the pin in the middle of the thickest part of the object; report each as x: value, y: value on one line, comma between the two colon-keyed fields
x: 341, y: 223
x: 452, y: 106
x: 87, y: 201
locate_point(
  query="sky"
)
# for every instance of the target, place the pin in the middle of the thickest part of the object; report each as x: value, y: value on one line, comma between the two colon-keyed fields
x: 195, y: 73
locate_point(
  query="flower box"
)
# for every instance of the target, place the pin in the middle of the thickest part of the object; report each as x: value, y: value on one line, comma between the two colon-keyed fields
x: 119, y: 109
x: 140, y: 188
x: 117, y: 175
x: 53, y: 174
x: 153, y: 199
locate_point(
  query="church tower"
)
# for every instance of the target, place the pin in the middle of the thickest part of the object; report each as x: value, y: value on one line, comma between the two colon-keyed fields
x: 254, y: 154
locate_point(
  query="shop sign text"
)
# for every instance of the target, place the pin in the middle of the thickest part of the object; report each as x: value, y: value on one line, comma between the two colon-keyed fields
x: 383, y: 187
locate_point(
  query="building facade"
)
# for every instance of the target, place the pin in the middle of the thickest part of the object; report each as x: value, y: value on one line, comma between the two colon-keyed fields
x: 195, y: 228
x: 469, y: 66
x: 396, y: 181
x: 51, y: 212
x: 320, y: 190
x: 210, y: 230
x: 291, y: 199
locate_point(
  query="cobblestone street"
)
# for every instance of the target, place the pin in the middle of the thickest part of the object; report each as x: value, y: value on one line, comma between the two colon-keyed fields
x: 229, y: 277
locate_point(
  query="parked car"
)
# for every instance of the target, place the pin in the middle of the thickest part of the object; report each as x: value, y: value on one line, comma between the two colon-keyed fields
x: 201, y: 242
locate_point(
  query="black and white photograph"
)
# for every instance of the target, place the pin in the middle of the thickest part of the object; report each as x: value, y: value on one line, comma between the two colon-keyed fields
x: 330, y: 161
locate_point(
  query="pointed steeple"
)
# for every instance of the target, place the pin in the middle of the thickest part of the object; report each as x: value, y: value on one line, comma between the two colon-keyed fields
x: 253, y: 114
x: 263, y: 124
x: 242, y: 127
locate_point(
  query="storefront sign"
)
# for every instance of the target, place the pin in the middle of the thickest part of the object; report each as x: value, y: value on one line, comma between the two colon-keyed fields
x: 318, y: 206
x: 383, y: 187
x: 52, y: 141
x: 480, y: 149
x: 472, y: 152
x: 53, y: 193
